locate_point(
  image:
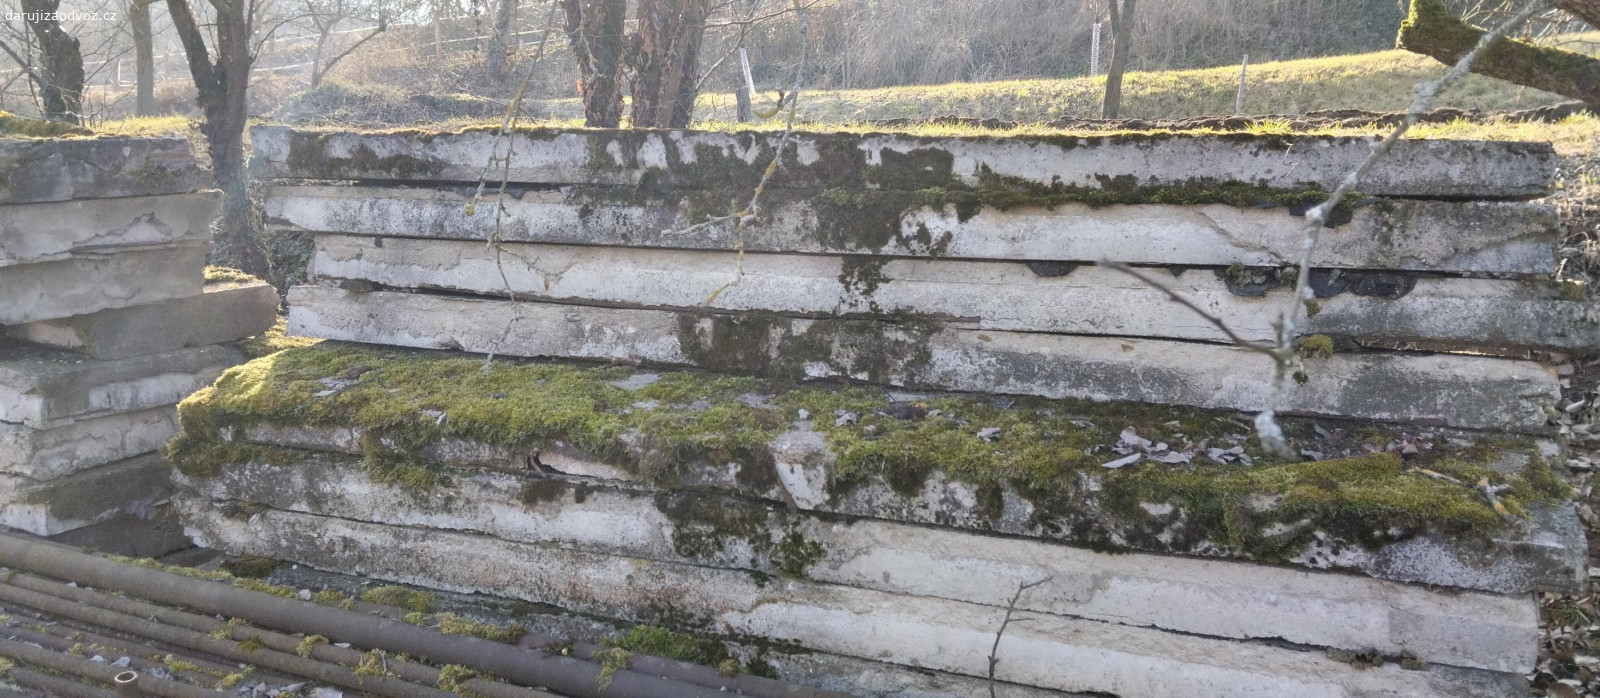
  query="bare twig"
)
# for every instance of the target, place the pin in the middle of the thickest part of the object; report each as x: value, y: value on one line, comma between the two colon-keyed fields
x: 1011, y: 608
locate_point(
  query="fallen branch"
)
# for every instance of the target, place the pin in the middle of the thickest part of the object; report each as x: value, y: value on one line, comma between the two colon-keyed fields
x: 994, y: 652
x: 1433, y: 31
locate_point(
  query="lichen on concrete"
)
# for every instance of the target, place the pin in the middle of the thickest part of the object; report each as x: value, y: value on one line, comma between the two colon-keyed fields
x: 1048, y: 452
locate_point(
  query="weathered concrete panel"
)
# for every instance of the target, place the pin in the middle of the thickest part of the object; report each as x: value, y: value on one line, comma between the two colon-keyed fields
x: 977, y: 295
x: 1459, y: 391
x: 58, y: 169
x: 1048, y: 651
x: 1545, y: 553
x: 224, y: 313
x: 44, y: 388
x: 1515, y: 238
x: 46, y: 454
x: 674, y: 159
x: 88, y: 497
x: 90, y: 282
x: 1202, y: 597
x: 49, y: 231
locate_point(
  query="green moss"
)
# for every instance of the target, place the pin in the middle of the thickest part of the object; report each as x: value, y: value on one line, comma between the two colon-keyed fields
x: 1313, y: 308
x: 265, y: 588
x: 307, y: 645
x: 252, y: 566
x: 656, y: 641
x: 251, y: 644
x: 795, y: 554
x: 400, y: 597
x: 229, y: 275
x: 612, y: 661
x: 453, y: 678
x: 1317, y: 345
x: 227, y: 683
x: 451, y: 624
x: 334, y: 599
x: 373, y: 663
x: 12, y: 126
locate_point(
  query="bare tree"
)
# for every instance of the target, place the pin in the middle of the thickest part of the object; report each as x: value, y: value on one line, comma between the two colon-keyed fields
x: 1433, y: 31
x: 144, y: 57
x: 1122, y: 40
x: 501, y: 43
x: 222, y: 87
x: 59, y: 76
x: 326, y: 15
x: 594, y: 28
x: 665, y: 61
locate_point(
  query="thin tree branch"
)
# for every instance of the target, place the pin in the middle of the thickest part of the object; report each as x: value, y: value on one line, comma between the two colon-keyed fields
x: 994, y: 652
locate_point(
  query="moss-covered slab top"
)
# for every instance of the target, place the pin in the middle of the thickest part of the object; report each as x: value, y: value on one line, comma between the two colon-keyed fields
x: 1137, y: 162
x: 60, y: 169
x: 1100, y: 473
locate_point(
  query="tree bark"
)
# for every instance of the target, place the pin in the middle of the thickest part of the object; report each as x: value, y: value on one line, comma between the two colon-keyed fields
x: 665, y: 57
x: 1432, y: 31
x: 594, y: 28
x: 61, y: 63
x: 1586, y: 10
x: 1122, y: 39
x: 144, y: 58
x: 222, y: 90
x: 505, y: 22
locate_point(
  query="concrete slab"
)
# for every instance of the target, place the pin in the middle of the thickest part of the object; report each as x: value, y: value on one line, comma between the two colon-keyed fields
x: 88, y: 497
x: 977, y: 295
x: 224, y: 313
x: 57, y: 230
x: 1511, y: 238
x: 1545, y: 553
x: 1201, y: 597
x: 45, y: 388
x: 47, y: 454
x: 90, y: 282
x: 1449, y: 390
x: 57, y: 169
x: 1049, y: 651
x: 694, y: 159
x: 151, y: 534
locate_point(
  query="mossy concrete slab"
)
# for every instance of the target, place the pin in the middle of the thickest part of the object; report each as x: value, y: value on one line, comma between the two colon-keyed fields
x: 715, y: 160
x: 47, y: 454
x: 1449, y: 390
x: 58, y: 169
x: 42, y: 232
x: 1512, y: 238
x: 93, y: 281
x: 45, y: 388
x: 1015, y: 296
x: 225, y: 312
x: 1049, y: 651
x: 1201, y: 597
x: 1545, y: 552
x: 84, y: 498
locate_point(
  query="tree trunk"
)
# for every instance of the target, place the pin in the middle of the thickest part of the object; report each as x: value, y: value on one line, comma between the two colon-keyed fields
x: 1432, y: 31
x: 505, y: 22
x: 222, y: 92
x: 1586, y: 10
x: 438, y: 37
x: 594, y: 28
x: 61, y: 63
x: 665, y: 60
x: 144, y: 58
x: 1122, y: 36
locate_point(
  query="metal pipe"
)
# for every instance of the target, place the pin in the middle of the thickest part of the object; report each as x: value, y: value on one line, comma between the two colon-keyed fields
x: 145, y: 664
x: 126, y: 685
x: 237, y: 651
x: 409, y: 671
x: 55, y: 686
x: 529, y: 667
x: 71, y: 631
x: 95, y: 671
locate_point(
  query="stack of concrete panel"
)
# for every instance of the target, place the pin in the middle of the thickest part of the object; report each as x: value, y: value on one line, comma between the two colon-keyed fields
x: 106, y: 322
x: 995, y: 436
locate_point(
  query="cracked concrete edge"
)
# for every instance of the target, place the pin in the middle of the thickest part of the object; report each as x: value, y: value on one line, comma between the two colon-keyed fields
x: 47, y: 454
x: 1415, y: 168
x: 32, y: 233
x: 1449, y: 390
x: 223, y: 313
x: 1050, y: 652
x: 89, y: 282
x: 84, y: 498
x: 44, y: 389
x: 1512, y: 238
x: 1471, y: 313
x: 59, y: 169
x: 1215, y: 598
